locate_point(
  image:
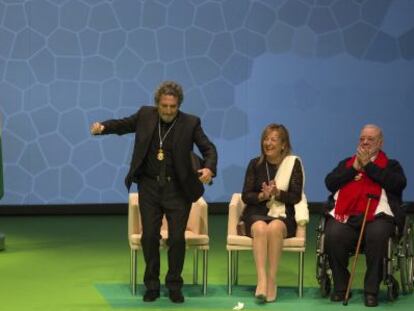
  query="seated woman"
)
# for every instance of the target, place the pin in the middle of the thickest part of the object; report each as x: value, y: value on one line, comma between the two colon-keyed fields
x: 273, y: 194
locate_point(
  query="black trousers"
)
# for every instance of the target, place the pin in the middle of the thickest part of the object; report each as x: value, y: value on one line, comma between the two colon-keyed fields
x: 154, y: 202
x: 341, y: 240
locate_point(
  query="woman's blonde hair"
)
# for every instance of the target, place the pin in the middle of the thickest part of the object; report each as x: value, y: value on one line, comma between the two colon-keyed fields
x: 284, y: 139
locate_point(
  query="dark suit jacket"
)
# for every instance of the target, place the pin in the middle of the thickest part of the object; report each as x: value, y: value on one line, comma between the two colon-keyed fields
x: 187, y: 132
x: 391, y: 178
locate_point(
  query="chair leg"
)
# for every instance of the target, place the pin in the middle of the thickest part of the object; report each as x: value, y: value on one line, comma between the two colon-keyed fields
x: 300, y: 277
x: 205, y: 271
x: 195, y: 266
x: 133, y: 272
x: 236, y: 268
x: 229, y: 272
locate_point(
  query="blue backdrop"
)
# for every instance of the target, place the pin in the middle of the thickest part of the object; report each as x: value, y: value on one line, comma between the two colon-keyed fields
x: 323, y: 68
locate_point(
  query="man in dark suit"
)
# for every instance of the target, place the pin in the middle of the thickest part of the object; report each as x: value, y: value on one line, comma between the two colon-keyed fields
x: 368, y: 173
x: 167, y: 183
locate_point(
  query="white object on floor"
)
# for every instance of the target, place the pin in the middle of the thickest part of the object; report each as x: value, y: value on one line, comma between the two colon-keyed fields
x: 239, y: 306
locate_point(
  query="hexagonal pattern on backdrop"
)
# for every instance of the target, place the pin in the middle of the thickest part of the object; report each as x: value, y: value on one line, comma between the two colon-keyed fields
x: 67, y: 63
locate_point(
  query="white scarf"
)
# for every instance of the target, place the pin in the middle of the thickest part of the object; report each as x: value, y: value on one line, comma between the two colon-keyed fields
x: 282, y: 179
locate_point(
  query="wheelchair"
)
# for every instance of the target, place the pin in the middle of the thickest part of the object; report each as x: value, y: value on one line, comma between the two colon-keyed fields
x: 399, y: 258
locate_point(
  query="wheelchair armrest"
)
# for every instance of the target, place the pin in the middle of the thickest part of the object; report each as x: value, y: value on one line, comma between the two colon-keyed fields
x: 408, y: 226
x: 322, y: 222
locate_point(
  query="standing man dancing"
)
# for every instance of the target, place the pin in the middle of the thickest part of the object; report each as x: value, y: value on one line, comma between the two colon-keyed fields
x: 161, y: 167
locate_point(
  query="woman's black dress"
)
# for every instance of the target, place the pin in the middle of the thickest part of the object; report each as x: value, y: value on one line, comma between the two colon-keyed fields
x: 256, y: 174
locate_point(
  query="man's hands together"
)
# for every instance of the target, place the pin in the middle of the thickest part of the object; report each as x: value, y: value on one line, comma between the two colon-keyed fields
x: 363, y: 157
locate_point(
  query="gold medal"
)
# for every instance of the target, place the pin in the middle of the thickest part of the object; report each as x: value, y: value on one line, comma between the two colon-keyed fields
x: 160, y: 155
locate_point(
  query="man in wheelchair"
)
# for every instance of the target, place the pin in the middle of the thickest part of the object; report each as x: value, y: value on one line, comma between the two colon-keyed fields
x: 367, y: 183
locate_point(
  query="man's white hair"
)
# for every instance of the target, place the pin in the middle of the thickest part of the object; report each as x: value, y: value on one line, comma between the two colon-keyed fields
x: 374, y: 127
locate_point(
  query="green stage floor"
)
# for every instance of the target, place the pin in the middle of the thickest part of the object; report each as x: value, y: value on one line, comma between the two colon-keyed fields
x: 64, y: 263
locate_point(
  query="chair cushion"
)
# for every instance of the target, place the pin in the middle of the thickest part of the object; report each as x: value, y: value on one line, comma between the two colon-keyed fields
x: 245, y: 241
x: 293, y: 242
x: 191, y: 238
x: 135, y: 239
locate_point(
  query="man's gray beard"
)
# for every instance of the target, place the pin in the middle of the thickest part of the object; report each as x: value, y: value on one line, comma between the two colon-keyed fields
x: 167, y: 119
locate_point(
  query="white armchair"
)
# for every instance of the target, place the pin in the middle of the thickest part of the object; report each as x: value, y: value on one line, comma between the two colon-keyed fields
x: 196, y: 237
x: 236, y: 242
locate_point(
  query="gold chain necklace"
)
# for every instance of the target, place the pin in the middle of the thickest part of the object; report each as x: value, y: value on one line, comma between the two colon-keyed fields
x: 160, y: 153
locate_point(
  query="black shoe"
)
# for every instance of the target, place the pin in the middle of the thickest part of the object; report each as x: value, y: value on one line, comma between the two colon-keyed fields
x: 176, y: 296
x: 371, y: 300
x: 339, y: 296
x: 151, y: 295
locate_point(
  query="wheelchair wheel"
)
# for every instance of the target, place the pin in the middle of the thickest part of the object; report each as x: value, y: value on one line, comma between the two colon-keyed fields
x: 406, y: 261
x: 393, y: 289
x: 410, y: 259
x: 410, y: 274
x: 322, y: 266
x: 405, y: 264
x: 323, y: 275
x: 325, y: 286
x: 405, y: 282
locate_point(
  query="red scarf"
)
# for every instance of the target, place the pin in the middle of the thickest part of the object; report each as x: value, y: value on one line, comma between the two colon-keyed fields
x: 352, y: 197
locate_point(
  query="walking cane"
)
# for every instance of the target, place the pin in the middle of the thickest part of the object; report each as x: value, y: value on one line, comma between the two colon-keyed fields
x: 351, y: 277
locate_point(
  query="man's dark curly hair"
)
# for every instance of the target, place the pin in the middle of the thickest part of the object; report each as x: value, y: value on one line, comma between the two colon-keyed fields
x: 169, y: 88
